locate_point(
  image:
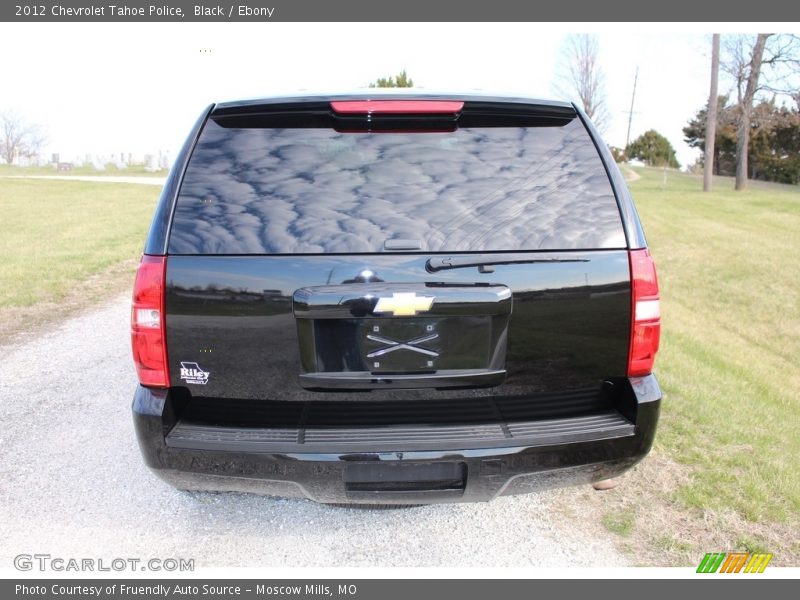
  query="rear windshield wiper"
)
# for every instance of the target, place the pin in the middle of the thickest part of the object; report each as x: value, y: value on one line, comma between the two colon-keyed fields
x: 485, y: 263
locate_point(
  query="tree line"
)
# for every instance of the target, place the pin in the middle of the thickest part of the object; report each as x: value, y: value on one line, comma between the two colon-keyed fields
x: 751, y: 134
x: 760, y: 140
x: 773, y: 149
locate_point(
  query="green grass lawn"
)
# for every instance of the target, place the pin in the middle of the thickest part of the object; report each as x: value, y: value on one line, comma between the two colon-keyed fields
x: 110, y: 171
x: 56, y: 234
x: 729, y: 269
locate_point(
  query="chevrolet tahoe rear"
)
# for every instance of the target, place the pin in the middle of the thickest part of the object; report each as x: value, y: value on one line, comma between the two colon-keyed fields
x: 397, y: 298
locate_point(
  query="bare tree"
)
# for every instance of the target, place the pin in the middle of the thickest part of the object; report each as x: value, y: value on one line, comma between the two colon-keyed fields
x: 745, y: 67
x: 18, y: 138
x: 711, y: 118
x: 769, y: 63
x: 782, y: 65
x: 580, y: 76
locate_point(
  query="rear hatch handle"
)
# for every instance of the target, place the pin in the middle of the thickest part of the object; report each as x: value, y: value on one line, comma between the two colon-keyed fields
x: 485, y: 263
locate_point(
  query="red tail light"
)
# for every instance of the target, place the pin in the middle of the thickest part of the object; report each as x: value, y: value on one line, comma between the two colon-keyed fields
x: 646, y: 317
x: 148, y: 338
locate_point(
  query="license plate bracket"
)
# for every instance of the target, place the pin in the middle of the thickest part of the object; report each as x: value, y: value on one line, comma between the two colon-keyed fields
x: 415, y: 344
x: 348, y: 341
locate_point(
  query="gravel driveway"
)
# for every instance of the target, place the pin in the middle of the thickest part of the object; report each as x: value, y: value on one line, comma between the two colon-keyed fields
x: 72, y: 484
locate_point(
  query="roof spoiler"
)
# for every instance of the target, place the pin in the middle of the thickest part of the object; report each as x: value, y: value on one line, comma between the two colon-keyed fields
x: 393, y: 114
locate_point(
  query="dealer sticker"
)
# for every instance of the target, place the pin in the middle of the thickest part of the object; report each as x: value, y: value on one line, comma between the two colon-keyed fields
x: 192, y: 373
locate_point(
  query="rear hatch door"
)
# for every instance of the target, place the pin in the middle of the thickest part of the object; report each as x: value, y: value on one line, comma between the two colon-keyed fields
x: 323, y: 250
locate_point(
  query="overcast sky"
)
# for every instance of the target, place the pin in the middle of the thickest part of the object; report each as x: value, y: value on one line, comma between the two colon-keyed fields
x: 109, y: 88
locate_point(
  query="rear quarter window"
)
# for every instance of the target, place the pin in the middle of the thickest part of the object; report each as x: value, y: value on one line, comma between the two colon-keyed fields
x: 316, y: 190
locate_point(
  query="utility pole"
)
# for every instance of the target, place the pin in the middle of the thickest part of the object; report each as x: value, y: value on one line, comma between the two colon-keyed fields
x: 630, y: 112
x: 711, y: 117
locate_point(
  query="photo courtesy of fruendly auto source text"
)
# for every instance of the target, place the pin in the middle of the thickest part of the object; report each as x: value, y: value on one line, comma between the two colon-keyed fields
x: 367, y: 300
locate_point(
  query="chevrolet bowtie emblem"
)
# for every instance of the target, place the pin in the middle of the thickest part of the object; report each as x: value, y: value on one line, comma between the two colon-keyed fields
x: 404, y: 304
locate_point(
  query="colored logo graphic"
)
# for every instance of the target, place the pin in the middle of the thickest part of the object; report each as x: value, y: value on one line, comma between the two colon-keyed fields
x: 404, y: 304
x: 735, y: 562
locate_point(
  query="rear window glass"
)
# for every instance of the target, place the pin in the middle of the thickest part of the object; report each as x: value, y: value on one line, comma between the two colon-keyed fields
x: 316, y: 190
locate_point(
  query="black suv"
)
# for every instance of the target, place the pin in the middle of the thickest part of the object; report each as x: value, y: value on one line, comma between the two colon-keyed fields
x: 394, y: 298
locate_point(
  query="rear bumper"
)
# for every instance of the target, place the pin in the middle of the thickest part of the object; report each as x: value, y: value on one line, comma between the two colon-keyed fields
x: 397, y: 465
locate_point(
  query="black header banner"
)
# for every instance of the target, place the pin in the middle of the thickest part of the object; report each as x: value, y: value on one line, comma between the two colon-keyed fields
x: 710, y: 11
